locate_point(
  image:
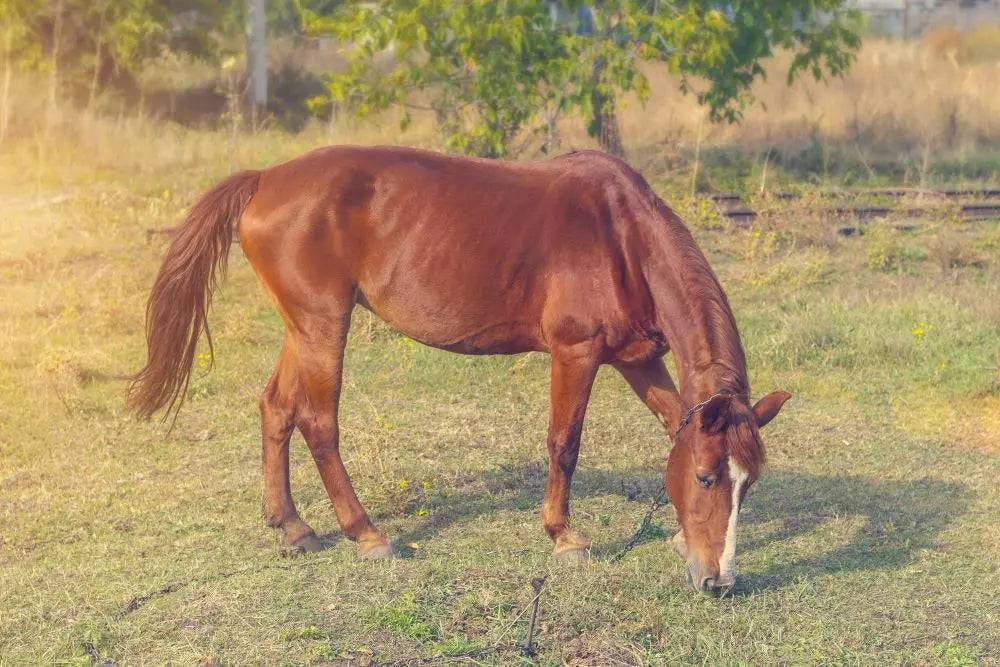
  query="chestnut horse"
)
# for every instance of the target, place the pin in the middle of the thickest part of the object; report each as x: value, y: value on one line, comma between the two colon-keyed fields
x: 574, y: 256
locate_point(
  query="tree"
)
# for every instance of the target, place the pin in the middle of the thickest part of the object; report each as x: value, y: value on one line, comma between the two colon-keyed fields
x: 18, y: 20
x: 495, y: 71
x: 82, y: 45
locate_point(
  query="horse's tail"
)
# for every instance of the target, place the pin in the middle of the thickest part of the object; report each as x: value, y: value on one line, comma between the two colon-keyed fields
x: 177, y: 310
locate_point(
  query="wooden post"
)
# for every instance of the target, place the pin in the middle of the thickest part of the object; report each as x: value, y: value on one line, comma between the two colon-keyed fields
x: 52, y: 113
x: 5, y: 88
x: 257, y: 53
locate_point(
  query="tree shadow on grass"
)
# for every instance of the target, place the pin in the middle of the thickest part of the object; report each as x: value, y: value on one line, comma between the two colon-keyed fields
x: 899, y: 517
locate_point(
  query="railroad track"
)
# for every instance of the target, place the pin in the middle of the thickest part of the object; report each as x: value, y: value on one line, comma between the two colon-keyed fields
x: 729, y: 204
x: 732, y: 200
x: 970, y: 212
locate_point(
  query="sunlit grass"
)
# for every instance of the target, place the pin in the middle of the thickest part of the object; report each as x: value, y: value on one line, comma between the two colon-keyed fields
x: 871, y: 538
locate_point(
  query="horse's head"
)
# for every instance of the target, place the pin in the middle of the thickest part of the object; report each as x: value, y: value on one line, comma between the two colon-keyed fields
x: 717, y: 455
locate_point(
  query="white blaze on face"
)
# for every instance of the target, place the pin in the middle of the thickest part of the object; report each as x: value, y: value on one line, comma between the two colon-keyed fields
x: 727, y: 563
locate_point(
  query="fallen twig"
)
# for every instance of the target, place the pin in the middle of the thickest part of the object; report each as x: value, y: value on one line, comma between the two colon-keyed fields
x: 140, y: 600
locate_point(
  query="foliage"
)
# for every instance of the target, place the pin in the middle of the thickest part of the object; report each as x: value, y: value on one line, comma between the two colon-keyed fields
x: 18, y: 19
x: 101, y: 40
x: 487, y: 62
x: 490, y: 70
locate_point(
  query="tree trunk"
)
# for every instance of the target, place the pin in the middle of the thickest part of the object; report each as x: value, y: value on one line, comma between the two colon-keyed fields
x: 53, y: 109
x: 604, y: 124
x: 97, y: 64
x: 257, y: 53
x: 5, y: 90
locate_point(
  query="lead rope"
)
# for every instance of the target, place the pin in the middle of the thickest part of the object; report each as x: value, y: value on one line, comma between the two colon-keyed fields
x: 659, y: 501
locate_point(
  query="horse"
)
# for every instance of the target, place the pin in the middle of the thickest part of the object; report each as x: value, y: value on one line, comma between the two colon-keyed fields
x: 574, y: 256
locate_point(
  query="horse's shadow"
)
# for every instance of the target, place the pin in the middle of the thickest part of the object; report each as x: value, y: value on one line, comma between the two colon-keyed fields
x: 889, y: 520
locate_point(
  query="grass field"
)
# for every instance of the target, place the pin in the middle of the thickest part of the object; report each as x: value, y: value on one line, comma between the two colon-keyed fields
x: 872, y: 537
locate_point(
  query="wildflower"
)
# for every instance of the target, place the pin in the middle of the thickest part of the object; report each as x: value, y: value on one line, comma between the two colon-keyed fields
x: 403, y: 484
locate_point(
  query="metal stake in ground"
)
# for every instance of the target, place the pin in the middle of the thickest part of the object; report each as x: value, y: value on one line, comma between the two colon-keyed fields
x: 536, y: 585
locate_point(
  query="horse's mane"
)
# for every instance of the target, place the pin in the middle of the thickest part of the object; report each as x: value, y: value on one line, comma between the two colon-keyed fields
x: 709, y: 309
x: 726, y: 365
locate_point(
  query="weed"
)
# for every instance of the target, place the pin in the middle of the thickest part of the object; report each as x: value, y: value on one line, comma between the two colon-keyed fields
x: 884, y: 252
x: 401, y: 617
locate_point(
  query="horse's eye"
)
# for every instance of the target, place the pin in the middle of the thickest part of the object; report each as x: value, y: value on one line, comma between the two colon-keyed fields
x: 705, y: 481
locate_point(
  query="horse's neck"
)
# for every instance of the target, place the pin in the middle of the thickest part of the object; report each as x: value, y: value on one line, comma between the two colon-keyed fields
x: 696, y: 317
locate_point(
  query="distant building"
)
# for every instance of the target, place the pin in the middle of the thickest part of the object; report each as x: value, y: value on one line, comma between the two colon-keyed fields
x: 912, y: 17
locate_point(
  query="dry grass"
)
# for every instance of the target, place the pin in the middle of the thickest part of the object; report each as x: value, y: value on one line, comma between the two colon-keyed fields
x: 907, y: 113
x: 918, y: 114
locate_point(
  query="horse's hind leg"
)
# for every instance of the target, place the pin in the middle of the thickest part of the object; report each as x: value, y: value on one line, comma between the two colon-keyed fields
x: 277, y: 421
x: 572, y: 378
x: 320, y: 352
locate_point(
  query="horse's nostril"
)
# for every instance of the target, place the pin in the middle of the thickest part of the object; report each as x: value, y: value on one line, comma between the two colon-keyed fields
x: 708, y: 584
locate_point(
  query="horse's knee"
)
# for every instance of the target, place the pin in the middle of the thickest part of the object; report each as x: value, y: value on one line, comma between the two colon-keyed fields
x: 564, y: 454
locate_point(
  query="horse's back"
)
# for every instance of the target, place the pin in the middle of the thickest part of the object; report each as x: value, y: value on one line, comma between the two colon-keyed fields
x: 472, y: 255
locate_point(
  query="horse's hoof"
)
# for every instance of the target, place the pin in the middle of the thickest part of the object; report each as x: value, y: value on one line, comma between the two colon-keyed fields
x: 572, y: 556
x: 376, y: 551
x: 306, y: 543
x: 571, y: 548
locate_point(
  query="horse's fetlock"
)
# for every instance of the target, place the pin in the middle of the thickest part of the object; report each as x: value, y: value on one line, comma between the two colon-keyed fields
x: 272, y: 519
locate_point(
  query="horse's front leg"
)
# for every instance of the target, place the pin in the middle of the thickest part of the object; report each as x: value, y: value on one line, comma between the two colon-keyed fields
x: 572, y: 378
x: 652, y: 383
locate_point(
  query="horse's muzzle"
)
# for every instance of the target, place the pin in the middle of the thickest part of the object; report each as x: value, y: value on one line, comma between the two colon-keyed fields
x: 709, y: 583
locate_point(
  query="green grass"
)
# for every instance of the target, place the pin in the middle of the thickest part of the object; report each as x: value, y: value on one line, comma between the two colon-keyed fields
x: 872, y: 537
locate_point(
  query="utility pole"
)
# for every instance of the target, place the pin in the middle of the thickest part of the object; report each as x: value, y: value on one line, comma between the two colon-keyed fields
x: 257, y: 53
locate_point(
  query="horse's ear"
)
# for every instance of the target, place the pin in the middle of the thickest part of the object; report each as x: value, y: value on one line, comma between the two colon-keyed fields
x: 767, y: 408
x: 716, y: 413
